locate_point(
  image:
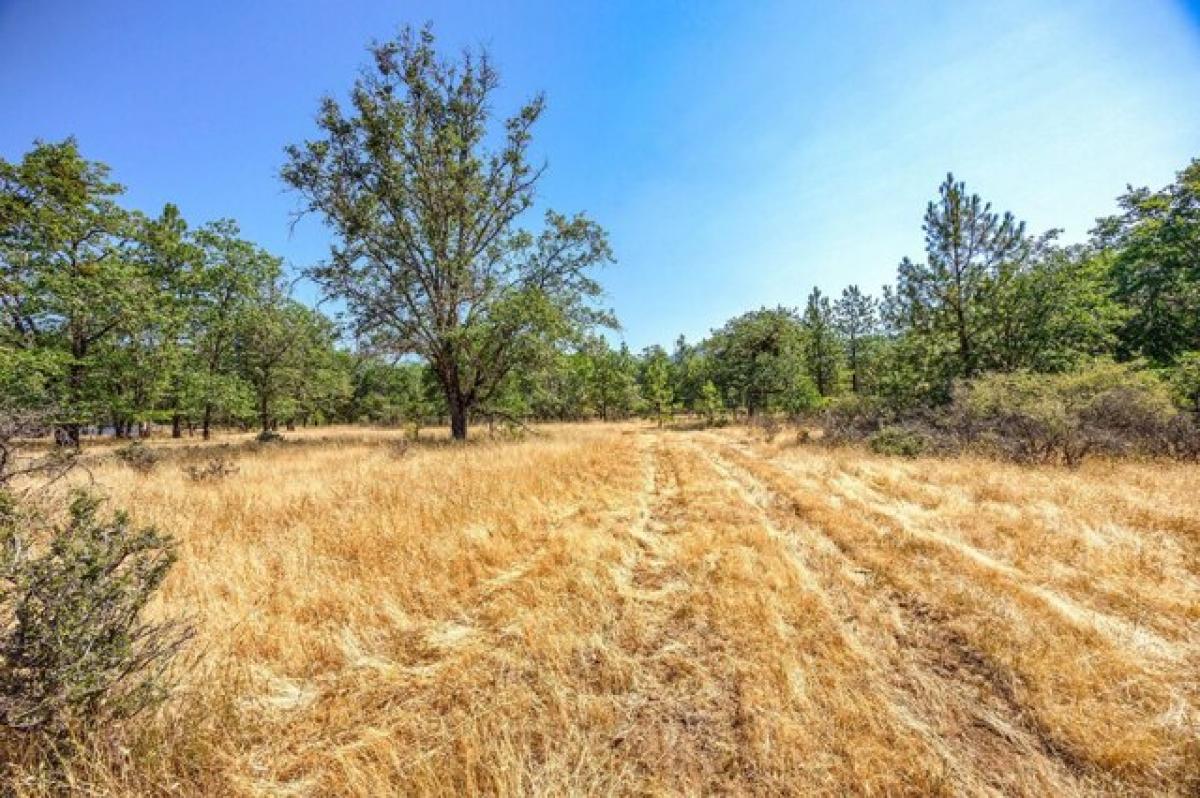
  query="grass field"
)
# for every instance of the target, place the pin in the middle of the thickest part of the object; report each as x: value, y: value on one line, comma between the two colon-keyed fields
x: 621, y: 610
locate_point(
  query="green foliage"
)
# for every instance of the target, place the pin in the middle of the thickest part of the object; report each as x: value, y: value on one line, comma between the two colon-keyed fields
x: 285, y: 353
x: 822, y: 348
x: 966, y: 244
x: 614, y: 381
x: 1185, y: 381
x: 656, y: 385
x: 709, y: 404
x: 898, y: 440
x: 75, y: 651
x: 1155, y: 247
x: 758, y: 360
x: 68, y: 281
x: 856, y: 317
x: 430, y: 260
x: 1105, y: 407
x: 114, y: 319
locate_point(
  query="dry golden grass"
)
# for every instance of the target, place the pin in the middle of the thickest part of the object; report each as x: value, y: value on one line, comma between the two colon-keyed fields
x: 622, y: 610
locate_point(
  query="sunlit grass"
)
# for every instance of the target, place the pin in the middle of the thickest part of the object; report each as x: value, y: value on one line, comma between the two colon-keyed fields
x: 618, y: 610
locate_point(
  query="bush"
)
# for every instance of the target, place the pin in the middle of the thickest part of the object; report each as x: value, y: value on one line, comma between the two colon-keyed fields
x: 1185, y: 381
x: 75, y: 652
x: 269, y: 436
x: 1105, y: 408
x: 768, y: 425
x: 140, y: 457
x: 854, y: 418
x: 1183, y: 436
x: 901, y: 441
x: 216, y: 469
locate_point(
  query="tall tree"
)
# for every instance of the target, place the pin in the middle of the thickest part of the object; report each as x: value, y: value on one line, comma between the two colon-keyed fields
x: 67, y: 282
x: 656, y: 383
x: 758, y: 361
x: 965, y: 243
x: 1049, y: 312
x: 822, y: 349
x: 614, y: 385
x: 429, y: 259
x: 171, y: 262
x: 1156, y: 266
x: 233, y: 276
x: 279, y: 345
x: 856, y: 316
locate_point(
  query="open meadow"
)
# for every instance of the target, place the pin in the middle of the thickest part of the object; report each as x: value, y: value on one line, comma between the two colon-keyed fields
x: 618, y: 609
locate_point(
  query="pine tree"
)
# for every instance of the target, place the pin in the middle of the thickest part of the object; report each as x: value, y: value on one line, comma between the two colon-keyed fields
x: 822, y: 349
x: 856, y: 316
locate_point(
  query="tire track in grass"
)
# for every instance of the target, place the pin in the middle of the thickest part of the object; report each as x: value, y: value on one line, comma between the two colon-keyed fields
x: 917, y: 522
x: 946, y: 690
x: 1130, y: 722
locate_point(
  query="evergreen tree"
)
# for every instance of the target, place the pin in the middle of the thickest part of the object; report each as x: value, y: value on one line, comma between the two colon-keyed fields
x: 966, y: 243
x: 856, y: 318
x: 656, y: 384
x: 822, y: 349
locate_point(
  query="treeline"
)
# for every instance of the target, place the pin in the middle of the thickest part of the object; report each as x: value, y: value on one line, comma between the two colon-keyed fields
x: 987, y: 298
x: 116, y: 319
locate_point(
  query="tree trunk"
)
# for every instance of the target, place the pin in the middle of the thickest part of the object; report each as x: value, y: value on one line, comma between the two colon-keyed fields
x: 68, y: 434
x: 207, y: 420
x: 458, y: 418
x: 176, y: 426
x: 966, y: 356
x: 855, y: 385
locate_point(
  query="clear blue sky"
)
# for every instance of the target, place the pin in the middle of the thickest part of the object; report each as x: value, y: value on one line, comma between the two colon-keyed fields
x: 738, y: 153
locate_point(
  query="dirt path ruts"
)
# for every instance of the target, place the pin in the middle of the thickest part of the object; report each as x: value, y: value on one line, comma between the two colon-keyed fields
x: 949, y: 692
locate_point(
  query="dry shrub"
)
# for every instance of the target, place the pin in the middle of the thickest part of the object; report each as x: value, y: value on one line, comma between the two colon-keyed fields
x: 75, y: 651
x: 902, y: 441
x: 1107, y: 409
x: 77, y: 655
x: 1116, y: 410
x: 140, y: 457
x: 768, y: 425
x: 35, y: 468
x: 216, y: 469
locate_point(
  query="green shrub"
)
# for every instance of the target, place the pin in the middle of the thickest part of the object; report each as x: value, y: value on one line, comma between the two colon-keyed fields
x: 902, y: 441
x: 1106, y: 407
x: 853, y: 418
x: 802, y: 399
x: 75, y: 651
x: 710, y: 405
x: 1185, y: 381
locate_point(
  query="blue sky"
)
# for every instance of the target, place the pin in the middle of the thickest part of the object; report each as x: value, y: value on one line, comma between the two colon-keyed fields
x: 738, y: 152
